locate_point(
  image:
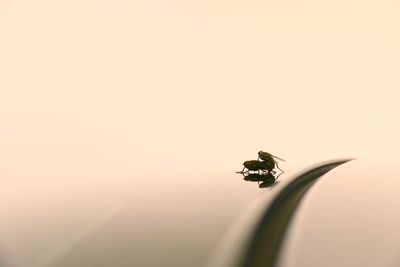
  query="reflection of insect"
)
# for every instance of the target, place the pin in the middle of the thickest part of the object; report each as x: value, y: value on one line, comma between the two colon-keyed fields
x: 262, y: 169
x: 266, y: 179
x: 269, y: 159
x: 268, y: 182
x: 256, y: 177
x: 255, y: 165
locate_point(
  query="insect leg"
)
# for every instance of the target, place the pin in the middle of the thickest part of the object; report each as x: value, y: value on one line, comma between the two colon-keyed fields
x: 242, y: 171
x: 278, y: 176
x: 276, y: 163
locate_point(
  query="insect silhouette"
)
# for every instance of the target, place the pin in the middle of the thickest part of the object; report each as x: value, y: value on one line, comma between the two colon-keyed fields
x: 261, y: 170
x: 264, y: 162
x: 256, y: 165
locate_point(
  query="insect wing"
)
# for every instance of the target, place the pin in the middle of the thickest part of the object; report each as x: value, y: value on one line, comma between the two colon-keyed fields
x: 278, y: 158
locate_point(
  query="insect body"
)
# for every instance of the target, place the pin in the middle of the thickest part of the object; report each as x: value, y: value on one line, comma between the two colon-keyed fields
x: 255, y: 165
x: 262, y: 169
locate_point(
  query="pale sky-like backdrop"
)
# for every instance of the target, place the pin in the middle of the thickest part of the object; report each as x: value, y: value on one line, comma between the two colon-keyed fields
x: 135, y: 115
x: 92, y: 88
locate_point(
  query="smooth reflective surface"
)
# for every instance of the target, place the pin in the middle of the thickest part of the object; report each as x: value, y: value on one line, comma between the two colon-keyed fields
x: 74, y: 223
x: 103, y: 222
x: 350, y: 219
x: 257, y: 241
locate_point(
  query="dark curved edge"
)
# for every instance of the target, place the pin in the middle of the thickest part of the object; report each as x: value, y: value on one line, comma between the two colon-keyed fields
x: 267, y: 239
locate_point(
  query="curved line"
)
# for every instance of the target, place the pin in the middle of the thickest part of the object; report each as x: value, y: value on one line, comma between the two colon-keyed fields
x: 266, y: 241
x: 276, y: 163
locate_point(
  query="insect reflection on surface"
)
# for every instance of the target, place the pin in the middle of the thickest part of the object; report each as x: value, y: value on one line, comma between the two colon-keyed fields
x: 264, y: 180
x: 262, y: 170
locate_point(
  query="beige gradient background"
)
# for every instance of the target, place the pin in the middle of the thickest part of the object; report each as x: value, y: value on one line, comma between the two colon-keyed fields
x: 150, y: 98
x: 100, y: 88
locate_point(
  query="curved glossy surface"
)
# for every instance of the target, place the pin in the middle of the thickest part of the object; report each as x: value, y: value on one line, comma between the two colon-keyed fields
x: 268, y: 236
x: 256, y: 240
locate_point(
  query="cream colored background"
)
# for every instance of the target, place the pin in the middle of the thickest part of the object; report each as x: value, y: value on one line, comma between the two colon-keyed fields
x: 153, y: 105
x: 93, y: 88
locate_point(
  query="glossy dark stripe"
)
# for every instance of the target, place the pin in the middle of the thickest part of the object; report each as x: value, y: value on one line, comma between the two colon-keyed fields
x: 267, y: 239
